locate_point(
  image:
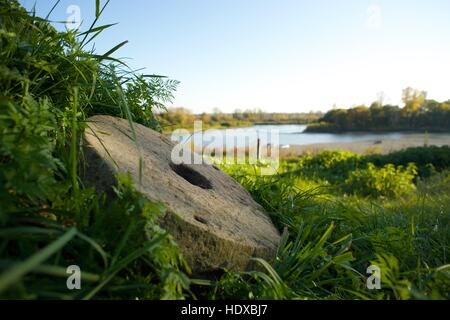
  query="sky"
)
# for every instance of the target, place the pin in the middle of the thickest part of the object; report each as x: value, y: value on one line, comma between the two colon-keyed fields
x: 277, y: 55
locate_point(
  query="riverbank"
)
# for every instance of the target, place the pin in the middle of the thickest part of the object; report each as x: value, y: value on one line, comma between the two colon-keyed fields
x: 365, y: 147
x: 168, y: 129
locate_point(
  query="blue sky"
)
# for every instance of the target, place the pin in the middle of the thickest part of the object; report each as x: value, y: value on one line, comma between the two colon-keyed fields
x: 279, y: 55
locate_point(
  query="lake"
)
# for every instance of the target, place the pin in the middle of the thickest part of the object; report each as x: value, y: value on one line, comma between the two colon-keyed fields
x: 285, y: 135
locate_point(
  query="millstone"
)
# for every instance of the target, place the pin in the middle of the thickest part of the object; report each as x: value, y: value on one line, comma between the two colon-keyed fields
x: 213, y: 219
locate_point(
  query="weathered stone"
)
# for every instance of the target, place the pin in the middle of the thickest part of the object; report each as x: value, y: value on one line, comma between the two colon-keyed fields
x: 214, y: 219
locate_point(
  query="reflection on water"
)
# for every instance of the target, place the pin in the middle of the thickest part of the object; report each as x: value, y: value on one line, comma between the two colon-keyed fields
x: 287, y: 135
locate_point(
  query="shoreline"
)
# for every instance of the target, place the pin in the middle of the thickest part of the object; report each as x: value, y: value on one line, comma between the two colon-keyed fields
x: 364, y: 147
x: 373, y: 145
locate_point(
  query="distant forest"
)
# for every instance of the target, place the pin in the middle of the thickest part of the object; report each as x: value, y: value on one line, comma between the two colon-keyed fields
x: 183, y: 118
x: 418, y: 114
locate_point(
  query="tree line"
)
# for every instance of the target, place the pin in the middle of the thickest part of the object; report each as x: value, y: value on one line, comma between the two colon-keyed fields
x: 183, y: 118
x: 417, y: 114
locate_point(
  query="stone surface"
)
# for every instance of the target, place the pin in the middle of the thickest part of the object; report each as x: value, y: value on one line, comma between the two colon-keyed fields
x: 214, y: 219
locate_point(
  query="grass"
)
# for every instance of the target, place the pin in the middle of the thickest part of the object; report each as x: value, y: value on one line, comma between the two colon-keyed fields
x: 50, y: 84
x: 334, y: 237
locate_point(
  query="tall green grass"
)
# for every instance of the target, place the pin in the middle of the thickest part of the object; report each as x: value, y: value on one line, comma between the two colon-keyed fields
x: 50, y: 84
x: 331, y: 237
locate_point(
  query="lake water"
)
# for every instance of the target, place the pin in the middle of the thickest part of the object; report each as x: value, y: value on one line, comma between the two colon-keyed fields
x: 285, y: 135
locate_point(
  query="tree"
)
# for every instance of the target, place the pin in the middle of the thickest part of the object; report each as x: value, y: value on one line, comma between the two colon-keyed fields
x: 413, y: 99
x: 359, y: 117
x: 392, y: 116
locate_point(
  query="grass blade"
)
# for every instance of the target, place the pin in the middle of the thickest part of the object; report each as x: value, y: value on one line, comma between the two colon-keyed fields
x: 97, y: 8
x: 124, y: 262
x: 110, y: 52
x: 51, y: 270
x: 16, y: 273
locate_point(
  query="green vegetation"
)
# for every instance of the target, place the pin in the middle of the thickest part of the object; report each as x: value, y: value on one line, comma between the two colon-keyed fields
x: 418, y: 114
x: 334, y: 231
x: 49, y: 85
x: 387, y: 181
x: 336, y: 166
x: 427, y: 159
x: 337, y: 211
x: 175, y: 118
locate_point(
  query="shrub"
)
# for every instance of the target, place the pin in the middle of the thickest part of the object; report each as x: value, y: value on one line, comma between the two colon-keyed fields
x: 427, y: 159
x: 322, y: 127
x: 333, y: 166
x: 388, y: 181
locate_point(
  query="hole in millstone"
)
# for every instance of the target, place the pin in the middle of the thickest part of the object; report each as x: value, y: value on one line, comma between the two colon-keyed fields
x: 191, y: 176
x: 201, y: 220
